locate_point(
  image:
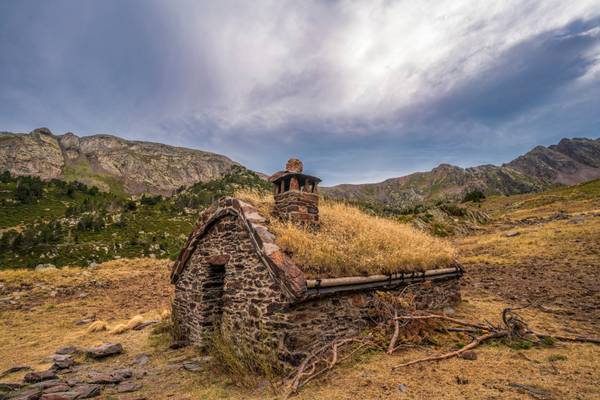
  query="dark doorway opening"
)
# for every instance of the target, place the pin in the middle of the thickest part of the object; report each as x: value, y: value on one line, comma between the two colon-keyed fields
x: 212, y: 289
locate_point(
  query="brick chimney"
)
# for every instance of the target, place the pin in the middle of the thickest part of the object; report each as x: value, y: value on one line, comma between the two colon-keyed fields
x: 296, y: 195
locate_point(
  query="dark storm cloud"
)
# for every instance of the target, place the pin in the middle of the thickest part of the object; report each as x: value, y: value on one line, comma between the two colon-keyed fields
x: 360, y: 90
x: 525, y: 76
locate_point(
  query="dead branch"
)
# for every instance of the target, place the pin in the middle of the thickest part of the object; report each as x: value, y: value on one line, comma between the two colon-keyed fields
x: 319, y: 356
x: 478, y: 340
x: 394, y: 339
x: 563, y: 338
x: 446, y: 318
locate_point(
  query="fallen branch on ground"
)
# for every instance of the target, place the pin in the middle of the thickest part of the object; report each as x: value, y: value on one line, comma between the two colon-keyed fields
x: 514, y: 327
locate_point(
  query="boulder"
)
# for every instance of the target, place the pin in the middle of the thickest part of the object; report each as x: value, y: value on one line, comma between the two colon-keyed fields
x: 27, y: 394
x: 14, y: 369
x: 43, y: 267
x: 70, y: 395
x: 87, y: 391
x: 67, y: 350
x: 62, y: 361
x: 104, y: 350
x: 34, y: 377
x: 112, y: 377
x: 129, y: 386
x: 469, y: 355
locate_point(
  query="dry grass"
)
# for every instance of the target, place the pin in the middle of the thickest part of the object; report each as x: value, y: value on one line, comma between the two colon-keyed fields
x: 131, y: 324
x: 97, y: 326
x: 351, y: 242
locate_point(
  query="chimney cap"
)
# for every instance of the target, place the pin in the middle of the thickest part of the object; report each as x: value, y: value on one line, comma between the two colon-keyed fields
x: 294, y: 165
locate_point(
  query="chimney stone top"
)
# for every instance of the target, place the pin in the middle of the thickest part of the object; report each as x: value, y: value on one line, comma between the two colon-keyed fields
x: 294, y: 165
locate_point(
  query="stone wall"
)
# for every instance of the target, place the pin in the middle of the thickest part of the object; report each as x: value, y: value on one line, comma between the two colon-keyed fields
x: 246, y: 300
x: 298, y: 207
x: 338, y: 315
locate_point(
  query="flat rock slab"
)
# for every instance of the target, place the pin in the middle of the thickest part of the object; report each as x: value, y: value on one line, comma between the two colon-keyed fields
x: 27, y: 394
x: 192, y: 366
x: 8, y: 387
x: 71, y: 395
x: 112, y: 377
x: 60, y: 387
x: 104, y: 350
x: 534, y: 391
x: 34, y: 377
x: 87, y: 391
x: 14, y: 369
x: 67, y: 350
x: 128, y: 387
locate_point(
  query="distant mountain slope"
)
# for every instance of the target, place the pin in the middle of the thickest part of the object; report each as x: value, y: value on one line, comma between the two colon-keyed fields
x: 569, y: 162
x: 109, y: 162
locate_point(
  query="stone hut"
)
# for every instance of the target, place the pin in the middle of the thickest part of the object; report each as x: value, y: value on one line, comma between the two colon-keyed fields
x: 232, y: 278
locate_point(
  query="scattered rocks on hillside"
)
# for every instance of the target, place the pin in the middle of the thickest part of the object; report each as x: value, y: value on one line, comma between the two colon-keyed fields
x: 14, y: 369
x: 469, y: 355
x: 145, y: 324
x: 85, y: 321
x: 141, y: 359
x: 104, y: 350
x: 536, y: 392
x: 192, y: 366
x: 43, y: 267
x: 62, y: 361
x: 34, y: 377
x: 127, y: 387
x: 112, y: 377
x: 27, y: 394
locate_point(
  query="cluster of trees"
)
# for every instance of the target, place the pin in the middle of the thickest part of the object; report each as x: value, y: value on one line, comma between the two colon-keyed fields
x: 475, y: 196
x: 45, y: 233
x: 30, y: 189
x: 203, y: 194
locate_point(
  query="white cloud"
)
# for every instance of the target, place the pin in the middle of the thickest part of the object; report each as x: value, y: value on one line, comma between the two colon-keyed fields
x: 260, y: 65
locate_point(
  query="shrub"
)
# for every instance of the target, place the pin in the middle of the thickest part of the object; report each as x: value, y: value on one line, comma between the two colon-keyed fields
x: 150, y: 200
x: 474, y: 195
x: 247, y: 362
x: 29, y: 189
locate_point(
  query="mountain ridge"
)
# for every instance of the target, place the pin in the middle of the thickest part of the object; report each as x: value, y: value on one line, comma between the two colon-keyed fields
x: 569, y: 162
x: 109, y: 162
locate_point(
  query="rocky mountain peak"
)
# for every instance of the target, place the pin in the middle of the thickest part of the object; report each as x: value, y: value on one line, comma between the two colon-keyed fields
x: 109, y: 162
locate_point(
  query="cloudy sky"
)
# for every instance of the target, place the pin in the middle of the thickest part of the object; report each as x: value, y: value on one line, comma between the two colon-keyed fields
x: 360, y: 90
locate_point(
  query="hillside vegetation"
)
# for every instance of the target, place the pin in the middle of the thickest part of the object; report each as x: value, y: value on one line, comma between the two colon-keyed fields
x: 64, y: 223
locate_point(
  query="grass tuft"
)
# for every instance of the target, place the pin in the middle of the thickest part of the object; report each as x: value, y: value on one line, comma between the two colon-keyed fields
x: 97, y: 326
x: 249, y: 363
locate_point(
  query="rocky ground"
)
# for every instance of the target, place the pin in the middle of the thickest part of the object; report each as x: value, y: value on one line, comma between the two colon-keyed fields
x: 537, y: 252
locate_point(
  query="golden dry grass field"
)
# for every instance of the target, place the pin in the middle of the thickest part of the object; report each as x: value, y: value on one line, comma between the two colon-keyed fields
x: 554, y: 261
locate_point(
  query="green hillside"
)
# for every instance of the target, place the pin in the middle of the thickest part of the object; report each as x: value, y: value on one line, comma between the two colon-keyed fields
x: 65, y: 223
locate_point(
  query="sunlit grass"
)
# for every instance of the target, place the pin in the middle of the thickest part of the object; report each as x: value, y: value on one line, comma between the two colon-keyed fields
x: 350, y: 242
